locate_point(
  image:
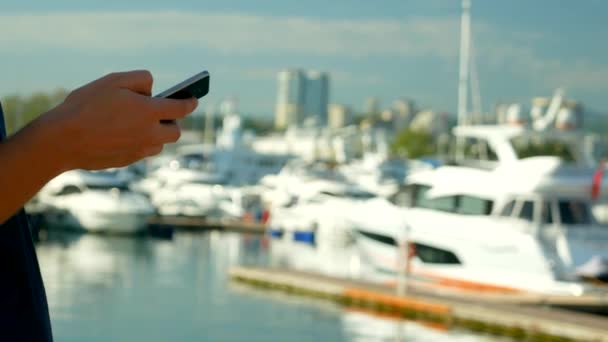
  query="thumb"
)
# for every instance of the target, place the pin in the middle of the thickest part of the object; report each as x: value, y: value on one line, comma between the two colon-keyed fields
x: 139, y: 81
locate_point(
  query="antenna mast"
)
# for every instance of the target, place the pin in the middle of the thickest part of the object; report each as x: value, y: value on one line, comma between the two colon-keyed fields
x: 465, y: 28
x: 475, y: 91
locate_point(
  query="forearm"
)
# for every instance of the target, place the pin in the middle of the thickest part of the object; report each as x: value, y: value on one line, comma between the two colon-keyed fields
x: 28, y: 160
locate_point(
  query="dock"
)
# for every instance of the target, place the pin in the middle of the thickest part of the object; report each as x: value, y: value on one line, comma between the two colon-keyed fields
x: 520, y: 316
x: 201, y: 224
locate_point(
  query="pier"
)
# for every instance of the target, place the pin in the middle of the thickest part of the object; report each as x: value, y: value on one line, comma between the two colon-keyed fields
x: 201, y: 224
x: 516, y: 315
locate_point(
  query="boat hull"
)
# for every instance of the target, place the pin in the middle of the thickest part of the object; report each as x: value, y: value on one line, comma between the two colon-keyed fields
x: 97, y: 222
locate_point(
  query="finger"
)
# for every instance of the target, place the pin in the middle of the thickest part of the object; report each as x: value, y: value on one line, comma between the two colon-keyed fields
x: 139, y: 81
x: 171, y: 109
x: 165, y: 133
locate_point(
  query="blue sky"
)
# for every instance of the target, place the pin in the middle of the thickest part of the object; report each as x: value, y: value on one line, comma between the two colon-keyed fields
x: 388, y: 48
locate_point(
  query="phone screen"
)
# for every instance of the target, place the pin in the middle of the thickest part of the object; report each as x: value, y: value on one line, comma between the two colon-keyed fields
x: 197, y: 89
x: 197, y: 86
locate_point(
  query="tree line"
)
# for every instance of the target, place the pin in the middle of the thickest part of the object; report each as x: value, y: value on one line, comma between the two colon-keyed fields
x: 20, y: 110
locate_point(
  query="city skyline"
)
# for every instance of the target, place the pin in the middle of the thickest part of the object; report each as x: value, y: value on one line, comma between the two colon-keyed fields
x: 403, y: 49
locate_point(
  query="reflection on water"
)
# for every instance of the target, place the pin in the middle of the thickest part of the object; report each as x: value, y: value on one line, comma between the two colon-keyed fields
x: 136, y: 289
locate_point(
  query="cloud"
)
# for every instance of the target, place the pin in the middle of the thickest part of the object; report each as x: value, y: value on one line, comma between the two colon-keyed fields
x: 523, y: 61
x: 230, y: 33
x: 500, y: 50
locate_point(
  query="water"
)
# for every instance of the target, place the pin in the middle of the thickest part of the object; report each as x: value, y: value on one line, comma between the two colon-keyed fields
x: 104, y: 288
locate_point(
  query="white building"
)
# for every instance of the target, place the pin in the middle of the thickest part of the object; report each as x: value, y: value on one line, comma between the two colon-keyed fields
x: 339, y: 116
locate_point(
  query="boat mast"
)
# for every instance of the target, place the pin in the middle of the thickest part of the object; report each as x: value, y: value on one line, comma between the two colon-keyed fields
x: 475, y: 91
x: 464, y: 63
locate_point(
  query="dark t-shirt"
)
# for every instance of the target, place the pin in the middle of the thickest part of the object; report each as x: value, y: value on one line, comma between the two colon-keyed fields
x: 24, y: 313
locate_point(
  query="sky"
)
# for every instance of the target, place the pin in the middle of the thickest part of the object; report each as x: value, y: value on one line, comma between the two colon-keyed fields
x: 388, y: 49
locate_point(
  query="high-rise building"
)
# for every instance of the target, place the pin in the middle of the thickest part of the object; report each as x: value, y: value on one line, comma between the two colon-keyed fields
x: 316, y: 96
x: 404, y: 110
x: 301, y: 96
x: 372, y: 106
x: 290, y: 98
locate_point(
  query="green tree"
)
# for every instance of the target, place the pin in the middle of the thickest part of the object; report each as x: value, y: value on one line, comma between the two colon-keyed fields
x: 19, y: 110
x: 12, y: 106
x: 413, y: 144
x: 259, y: 125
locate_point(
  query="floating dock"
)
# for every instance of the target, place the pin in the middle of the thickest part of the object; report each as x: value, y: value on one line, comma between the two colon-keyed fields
x: 204, y: 224
x: 521, y: 316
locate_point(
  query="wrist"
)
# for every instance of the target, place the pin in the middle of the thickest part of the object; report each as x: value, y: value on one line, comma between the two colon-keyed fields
x: 49, y: 143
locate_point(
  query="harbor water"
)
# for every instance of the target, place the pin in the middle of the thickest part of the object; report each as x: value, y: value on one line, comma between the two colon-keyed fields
x: 103, y: 288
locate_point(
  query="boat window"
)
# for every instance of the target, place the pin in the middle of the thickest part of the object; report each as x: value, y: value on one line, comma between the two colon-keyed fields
x: 404, y: 197
x: 479, y: 149
x: 121, y: 187
x: 387, y: 240
x: 527, y: 211
x: 574, y: 212
x: 547, y: 213
x: 332, y: 194
x: 68, y: 190
x: 526, y: 147
x: 447, y: 203
x: 507, y: 210
x: 469, y: 205
x: 420, y: 198
x: 355, y: 194
x: 211, y: 181
x: 192, y: 160
x: 104, y: 173
x: 433, y: 255
x: 360, y: 194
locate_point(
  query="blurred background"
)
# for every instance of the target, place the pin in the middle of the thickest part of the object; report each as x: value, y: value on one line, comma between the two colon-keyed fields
x: 447, y: 150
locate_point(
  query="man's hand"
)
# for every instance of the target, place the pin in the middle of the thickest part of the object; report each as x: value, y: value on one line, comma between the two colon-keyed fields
x: 109, y: 122
x: 113, y: 121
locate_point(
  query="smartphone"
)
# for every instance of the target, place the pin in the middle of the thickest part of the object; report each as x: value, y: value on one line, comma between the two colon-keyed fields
x: 195, y: 86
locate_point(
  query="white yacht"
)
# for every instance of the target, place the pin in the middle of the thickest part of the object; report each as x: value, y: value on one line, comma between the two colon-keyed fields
x: 195, y: 184
x: 314, y: 212
x: 94, y: 201
x: 210, y: 200
x: 295, y: 177
x: 200, y: 176
x: 524, y: 226
x: 379, y: 174
x: 502, y: 220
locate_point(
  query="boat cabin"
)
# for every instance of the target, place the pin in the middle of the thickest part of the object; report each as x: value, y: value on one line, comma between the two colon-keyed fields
x: 538, y: 190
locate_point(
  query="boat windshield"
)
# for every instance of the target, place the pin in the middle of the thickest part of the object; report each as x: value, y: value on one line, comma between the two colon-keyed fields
x: 574, y: 212
x: 350, y: 193
x: 118, y: 186
x: 566, y: 211
x: 209, y: 181
x: 526, y: 147
x: 456, y: 203
x: 195, y: 161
